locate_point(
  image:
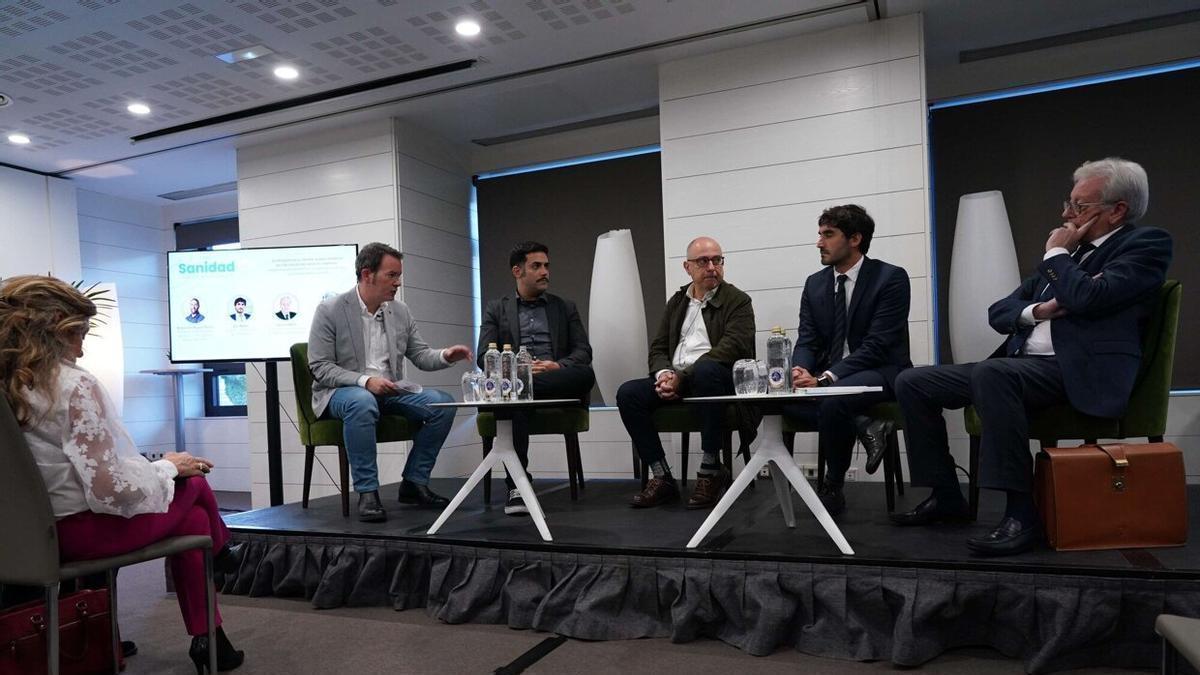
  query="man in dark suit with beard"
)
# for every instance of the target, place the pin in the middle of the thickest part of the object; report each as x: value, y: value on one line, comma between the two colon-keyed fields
x: 1074, y: 335
x: 853, y: 332
x: 549, y: 327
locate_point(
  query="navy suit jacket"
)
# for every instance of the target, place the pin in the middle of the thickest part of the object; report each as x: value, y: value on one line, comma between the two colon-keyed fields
x: 568, y: 338
x: 1109, y: 299
x: 876, y: 323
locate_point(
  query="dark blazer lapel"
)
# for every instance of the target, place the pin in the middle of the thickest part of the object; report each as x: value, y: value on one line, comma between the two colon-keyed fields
x: 1096, y: 260
x: 555, y: 319
x: 353, y: 317
x: 864, y: 284
x: 512, y: 312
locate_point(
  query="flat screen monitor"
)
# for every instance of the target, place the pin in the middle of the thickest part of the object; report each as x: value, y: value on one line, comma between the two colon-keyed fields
x: 250, y: 304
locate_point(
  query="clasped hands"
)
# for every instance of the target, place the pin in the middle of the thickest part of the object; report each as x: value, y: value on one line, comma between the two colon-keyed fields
x: 802, y: 379
x: 188, y: 465
x: 666, y: 385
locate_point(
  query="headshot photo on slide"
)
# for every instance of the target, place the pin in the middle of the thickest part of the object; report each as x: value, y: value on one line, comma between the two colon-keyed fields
x: 285, y: 307
x: 194, y: 315
x: 242, y: 311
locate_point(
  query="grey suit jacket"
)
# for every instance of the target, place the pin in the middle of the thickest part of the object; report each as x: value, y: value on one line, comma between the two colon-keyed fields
x: 337, y: 351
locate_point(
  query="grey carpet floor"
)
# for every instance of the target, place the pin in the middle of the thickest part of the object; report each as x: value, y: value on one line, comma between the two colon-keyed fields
x: 283, y: 636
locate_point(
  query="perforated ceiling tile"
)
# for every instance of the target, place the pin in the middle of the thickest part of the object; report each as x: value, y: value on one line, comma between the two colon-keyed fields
x: 113, y: 55
x: 116, y: 105
x: 261, y: 71
x: 97, y: 4
x: 371, y: 50
x: 18, y: 17
x: 194, y: 30
x: 67, y: 122
x: 208, y: 91
x: 560, y: 14
x: 439, y: 26
x: 29, y: 72
x: 39, y: 141
x: 291, y: 16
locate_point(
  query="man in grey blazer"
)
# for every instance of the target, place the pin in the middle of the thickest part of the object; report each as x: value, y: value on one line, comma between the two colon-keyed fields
x: 356, y: 351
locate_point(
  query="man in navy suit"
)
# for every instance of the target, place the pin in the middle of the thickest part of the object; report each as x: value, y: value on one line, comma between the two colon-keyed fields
x: 1074, y: 334
x: 853, y: 332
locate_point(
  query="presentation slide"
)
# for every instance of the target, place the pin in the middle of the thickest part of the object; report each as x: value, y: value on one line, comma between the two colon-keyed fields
x: 250, y: 304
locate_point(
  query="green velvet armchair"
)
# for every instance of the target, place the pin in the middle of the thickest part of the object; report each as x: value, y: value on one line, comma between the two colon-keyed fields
x: 316, y: 432
x: 1147, y: 413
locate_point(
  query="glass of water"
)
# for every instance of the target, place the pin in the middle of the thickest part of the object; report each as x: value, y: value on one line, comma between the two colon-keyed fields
x: 471, y: 381
x: 747, y: 374
x: 764, y: 378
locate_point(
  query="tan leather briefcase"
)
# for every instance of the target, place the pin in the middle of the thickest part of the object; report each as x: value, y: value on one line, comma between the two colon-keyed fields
x: 1112, y: 496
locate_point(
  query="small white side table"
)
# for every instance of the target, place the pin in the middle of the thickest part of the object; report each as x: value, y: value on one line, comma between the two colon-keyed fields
x: 771, y: 452
x: 504, y: 453
x: 177, y: 375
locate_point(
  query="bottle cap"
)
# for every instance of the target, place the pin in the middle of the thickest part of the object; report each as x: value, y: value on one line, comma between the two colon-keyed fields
x: 491, y: 345
x: 777, y: 330
x: 507, y: 347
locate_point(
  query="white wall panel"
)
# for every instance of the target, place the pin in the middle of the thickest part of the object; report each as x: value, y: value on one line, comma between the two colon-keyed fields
x: 795, y: 224
x: 440, y: 307
x: 857, y: 45
x: 430, y: 274
x: 425, y: 178
x: 881, y: 128
x: 430, y: 211
x: 335, y: 210
x: 826, y: 94
x: 437, y: 244
x: 867, y: 173
x: 358, y: 233
x: 98, y: 230
x: 306, y: 183
x: 315, y: 148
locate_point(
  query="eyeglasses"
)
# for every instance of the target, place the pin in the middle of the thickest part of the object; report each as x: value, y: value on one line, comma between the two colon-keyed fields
x: 716, y: 261
x: 1076, y: 208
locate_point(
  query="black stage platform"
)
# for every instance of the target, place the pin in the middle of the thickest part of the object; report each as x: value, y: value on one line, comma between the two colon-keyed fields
x: 613, y: 572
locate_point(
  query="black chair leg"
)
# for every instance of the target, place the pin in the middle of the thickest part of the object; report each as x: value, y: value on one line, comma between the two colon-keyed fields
x: 637, y: 462
x: 789, y: 442
x: 309, y: 451
x: 575, y: 450
x: 820, y: 465
x: 487, y: 480
x: 889, y: 478
x: 344, y: 478
x: 571, y: 467
x: 685, y: 440
x: 1154, y: 439
x: 894, y: 451
x: 973, y: 485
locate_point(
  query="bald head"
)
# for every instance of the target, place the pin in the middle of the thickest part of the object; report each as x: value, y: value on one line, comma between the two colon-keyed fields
x: 705, y: 264
x: 702, y: 244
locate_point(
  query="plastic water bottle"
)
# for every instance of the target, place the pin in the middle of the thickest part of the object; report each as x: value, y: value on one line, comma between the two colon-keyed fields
x: 491, y: 373
x: 779, y: 359
x: 508, y: 372
x: 524, y: 380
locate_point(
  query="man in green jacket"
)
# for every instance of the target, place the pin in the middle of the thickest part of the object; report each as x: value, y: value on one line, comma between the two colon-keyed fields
x: 707, y: 326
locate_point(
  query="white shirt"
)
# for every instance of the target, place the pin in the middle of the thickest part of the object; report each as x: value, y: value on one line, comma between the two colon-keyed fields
x: 1039, y: 342
x: 375, y: 344
x: 86, y: 457
x: 851, y: 278
x: 693, y: 335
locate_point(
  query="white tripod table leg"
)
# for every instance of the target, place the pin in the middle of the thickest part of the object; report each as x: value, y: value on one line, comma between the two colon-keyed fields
x: 789, y: 468
x: 739, y: 485
x: 493, y: 458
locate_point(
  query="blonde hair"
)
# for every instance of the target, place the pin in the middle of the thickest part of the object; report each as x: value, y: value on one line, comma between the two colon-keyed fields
x: 38, y: 318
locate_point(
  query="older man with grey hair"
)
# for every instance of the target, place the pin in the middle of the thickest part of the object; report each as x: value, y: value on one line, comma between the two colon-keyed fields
x: 1073, y: 334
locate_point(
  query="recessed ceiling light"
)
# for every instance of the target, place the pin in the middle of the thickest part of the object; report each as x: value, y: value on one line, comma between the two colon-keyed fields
x: 18, y: 139
x: 138, y: 108
x: 245, y: 54
x: 467, y: 28
x: 286, y: 73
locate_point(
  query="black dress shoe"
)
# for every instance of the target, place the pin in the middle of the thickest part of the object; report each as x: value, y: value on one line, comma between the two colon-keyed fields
x: 832, y: 498
x: 420, y: 495
x: 369, y: 508
x: 933, y: 511
x: 873, y: 434
x: 229, y: 559
x: 228, y: 658
x: 1010, y: 537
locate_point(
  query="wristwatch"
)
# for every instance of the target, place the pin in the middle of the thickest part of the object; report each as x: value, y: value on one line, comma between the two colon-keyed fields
x: 824, y: 381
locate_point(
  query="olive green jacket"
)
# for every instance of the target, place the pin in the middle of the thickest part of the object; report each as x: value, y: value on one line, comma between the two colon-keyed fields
x: 728, y: 318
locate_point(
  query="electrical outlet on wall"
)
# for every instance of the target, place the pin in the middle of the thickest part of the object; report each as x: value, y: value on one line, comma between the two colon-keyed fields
x: 852, y: 473
x: 810, y: 470
x: 765, y: 472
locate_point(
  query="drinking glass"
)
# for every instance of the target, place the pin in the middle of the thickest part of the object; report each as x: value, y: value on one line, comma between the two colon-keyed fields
x: 747, y: 374
x: 470, y: 385
x: 764, y: 378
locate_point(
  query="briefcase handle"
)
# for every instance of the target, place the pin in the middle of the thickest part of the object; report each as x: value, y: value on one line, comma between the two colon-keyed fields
x: 1115, y: 452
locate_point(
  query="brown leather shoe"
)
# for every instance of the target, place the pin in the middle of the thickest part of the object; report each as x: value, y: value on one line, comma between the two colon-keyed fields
x: 708, y: 490
x: 658, y: 491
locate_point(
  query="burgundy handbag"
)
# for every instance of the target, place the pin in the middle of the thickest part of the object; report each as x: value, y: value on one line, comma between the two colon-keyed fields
x: 85, y: 636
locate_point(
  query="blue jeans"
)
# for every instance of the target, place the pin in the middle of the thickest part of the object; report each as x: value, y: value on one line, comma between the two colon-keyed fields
x: 359, y: 410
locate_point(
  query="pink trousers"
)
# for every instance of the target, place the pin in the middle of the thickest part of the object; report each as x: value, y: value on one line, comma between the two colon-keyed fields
x: 89, y: 535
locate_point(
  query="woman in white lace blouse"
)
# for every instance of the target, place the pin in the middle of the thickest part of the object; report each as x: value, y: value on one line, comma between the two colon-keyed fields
x: 107, y: 498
